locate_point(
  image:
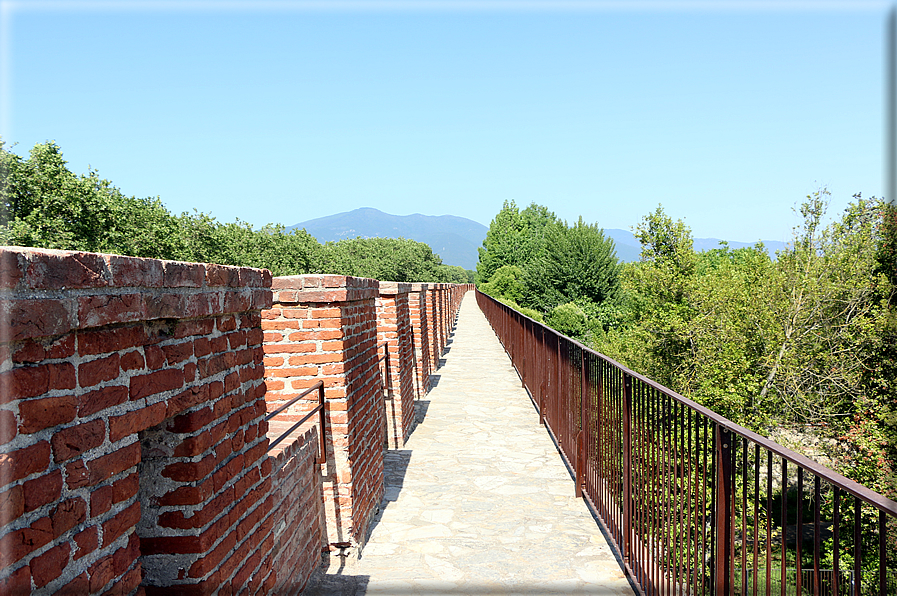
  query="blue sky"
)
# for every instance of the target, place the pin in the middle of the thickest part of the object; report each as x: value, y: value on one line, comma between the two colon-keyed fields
x: 727, y: 113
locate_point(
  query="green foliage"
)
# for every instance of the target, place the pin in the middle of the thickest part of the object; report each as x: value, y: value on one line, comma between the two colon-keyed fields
x: 514, y: 238
x: 453, y: 274
x: 568, y: 319
x: 506, y: 284
x: 43, y: 204
x: 577, y: 262
x: 392, y: 259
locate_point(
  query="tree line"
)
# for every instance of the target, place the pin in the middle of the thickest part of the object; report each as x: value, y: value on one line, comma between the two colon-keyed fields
x: 46, y: 205
x: 804, y: 341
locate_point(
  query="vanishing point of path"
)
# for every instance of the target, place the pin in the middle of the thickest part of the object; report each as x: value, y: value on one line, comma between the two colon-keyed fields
x: 478, y: 501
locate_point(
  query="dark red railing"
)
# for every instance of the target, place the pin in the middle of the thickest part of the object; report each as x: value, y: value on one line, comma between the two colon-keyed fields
x: 694, y: 503
x: 318, y: 409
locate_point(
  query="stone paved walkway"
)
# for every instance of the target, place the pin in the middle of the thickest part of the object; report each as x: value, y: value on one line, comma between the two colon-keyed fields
x: 479, y: 501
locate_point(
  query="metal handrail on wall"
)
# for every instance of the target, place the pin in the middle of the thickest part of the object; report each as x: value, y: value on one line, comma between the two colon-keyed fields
x: 694, y: 503
x: 318, y: 409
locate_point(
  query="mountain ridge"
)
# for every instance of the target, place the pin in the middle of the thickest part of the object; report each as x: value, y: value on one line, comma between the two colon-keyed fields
x: 456, y: 239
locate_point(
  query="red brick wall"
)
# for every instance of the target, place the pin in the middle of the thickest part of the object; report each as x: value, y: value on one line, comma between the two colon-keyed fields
x: 420, y: 332
x: 394, y: 340
x: 325, y: 327
x: 132, y: 432
x: 298, y: 523
x: 133, y: 441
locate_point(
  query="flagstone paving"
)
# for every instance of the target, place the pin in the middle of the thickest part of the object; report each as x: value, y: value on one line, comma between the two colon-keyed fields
x: 478, y: 501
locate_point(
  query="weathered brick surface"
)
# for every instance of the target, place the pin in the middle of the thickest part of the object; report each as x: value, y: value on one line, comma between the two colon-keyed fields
x: 101, y: 364
x: 133, y: 441
x: 333, y: 318
x: 420, y: 331
x: 396, y: 350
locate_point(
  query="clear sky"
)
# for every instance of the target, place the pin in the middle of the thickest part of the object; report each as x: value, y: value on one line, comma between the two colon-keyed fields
x: 728, y: 113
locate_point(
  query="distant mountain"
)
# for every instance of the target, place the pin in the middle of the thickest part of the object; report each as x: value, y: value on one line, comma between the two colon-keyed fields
x: 455, y: 239
x: 628, y: 248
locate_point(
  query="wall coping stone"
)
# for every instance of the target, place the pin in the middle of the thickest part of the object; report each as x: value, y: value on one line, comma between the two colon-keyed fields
x: 296, y: 289
x: 390, y: 288
x: 420, y: 287
x: 47, y: 292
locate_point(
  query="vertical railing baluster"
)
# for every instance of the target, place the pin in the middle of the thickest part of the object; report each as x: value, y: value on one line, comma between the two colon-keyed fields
x: 627, y: 467
x: 723, y: 498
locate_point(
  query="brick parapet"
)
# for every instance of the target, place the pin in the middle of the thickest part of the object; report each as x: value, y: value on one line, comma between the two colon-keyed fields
x: 420, y: 332
x: 395, y: 342
x: 133, y: 441
x: 46, y: 293
x: 132, y: 438
x: 308, y: 339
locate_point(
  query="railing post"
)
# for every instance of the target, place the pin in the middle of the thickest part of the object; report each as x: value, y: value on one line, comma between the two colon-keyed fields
x: 627, y: 468
x: 581, y: 437
x: 723, y: 497
x: 322, y: 418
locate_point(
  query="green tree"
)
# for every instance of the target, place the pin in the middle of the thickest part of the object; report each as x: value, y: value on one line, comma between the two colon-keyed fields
x: 578, y: 263
x: 392, y: 259
x: 514, y: 238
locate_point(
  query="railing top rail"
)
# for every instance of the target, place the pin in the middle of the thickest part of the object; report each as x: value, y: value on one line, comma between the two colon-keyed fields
x: 314, y: 387
x: 858, y: 490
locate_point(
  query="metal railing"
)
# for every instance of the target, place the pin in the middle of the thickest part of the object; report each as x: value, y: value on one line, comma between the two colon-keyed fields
x: 693, y: 502
x: 318, y: 409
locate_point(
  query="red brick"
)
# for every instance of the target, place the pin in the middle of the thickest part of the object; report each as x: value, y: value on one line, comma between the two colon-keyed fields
x: 101, y: 573
x: 43, y: 490
x: 69, y: 270
x: 40, y: 317
x: 113, y: 463
x: 185, y: 495
x: 17, y: 583
x: 121, y: 523
x: 187, y: 399
x: 75, y: 440
x: 78, y: 585
x: 12, y: 504
x: 132, y: 360
x: 100, y: 500
x: 67, y: 515
x: 192, y: 421
x: 24, y: 462
x: 155, y: 357
x: 190, y: 471
x: 88, y: 540
x: 17, y: 544
x: 12, y: 267
x: 274, y: 385
x: 206, y: 564
x: 193, y: 327
x: 176, y: 353
x: 136, y: 421
x: 111, y: 340
x: 48, y: 566
x: 134, y: 272
x: 125, y: 488
x: 32, y: 381
x: 226, y: 323
x: 100, y: 399
x: 32, y: 351
x: 105, y: 309
x: 38, y: 414
x: 183, y: 275
x: 8, y: 429
x: 157, y: 382
x: 99, y: 370
x: 76, y: 474
x: 124, y: 557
